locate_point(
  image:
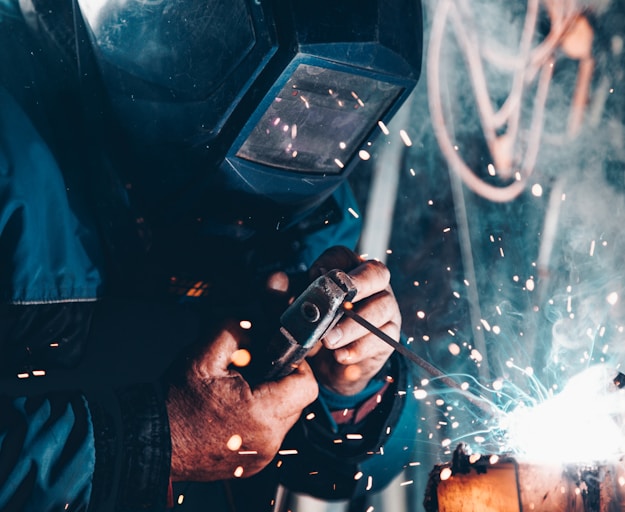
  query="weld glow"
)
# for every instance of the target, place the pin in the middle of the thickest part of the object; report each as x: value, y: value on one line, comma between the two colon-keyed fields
x: 582, y: 424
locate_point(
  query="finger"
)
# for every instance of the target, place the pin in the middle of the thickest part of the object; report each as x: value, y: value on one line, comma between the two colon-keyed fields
x: 278, y: 282
x: 335, y: 257
x: 369, y: 278
x: 378, y: 310
x: 291, y: 394
x: 367, y: 348
x: 215, y: 357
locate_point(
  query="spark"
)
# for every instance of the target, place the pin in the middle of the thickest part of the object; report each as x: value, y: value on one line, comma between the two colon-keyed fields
x: 241, y: 357
x: 383, y: 127
x: 353, y: 212
x: 612, y: 299
x: 245, y: 324
x: 405, y: 138
x: 420, y: 394
x: 238, y: 472
x: 339, y: 163
x: 288, y: 452
x: 476, y: 355
x: 234, y: 443
x: 364, y: 155
x: 537, y: 190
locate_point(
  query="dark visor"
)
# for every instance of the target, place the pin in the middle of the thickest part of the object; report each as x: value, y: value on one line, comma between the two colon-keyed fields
x: 318, y: 120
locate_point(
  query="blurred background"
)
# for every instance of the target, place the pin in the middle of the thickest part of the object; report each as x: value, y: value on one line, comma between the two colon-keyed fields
x: 496, y: 199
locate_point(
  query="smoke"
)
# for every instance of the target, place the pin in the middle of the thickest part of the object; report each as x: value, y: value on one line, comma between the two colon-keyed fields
x: 505, y: 97
x: 526, y: 103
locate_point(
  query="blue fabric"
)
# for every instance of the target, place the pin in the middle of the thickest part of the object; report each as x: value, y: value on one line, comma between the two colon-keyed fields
x: 346, y: 232
x: 10, y: 9
x: 46, y: 450
x: 46, y: 253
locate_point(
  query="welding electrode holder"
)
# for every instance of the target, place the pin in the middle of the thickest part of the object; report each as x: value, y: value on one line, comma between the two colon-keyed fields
x: 307, y: 319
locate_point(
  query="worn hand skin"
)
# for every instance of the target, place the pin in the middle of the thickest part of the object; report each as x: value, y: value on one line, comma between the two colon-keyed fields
x: 214, y: 403
x: 349, y: 355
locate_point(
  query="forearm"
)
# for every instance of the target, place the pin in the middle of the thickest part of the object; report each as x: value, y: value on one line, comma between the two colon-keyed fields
x: 132, y: 449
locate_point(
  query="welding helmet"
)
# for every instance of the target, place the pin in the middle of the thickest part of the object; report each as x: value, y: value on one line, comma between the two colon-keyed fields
x: 252, y: 109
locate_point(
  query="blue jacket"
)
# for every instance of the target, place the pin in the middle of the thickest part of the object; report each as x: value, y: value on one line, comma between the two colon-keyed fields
x: 76, y: 436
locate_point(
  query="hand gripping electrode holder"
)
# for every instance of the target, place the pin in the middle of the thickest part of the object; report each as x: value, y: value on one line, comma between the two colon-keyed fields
x: 309, y: 317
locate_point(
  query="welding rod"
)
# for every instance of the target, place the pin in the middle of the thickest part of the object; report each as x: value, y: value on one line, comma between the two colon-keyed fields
x: 418, y: 360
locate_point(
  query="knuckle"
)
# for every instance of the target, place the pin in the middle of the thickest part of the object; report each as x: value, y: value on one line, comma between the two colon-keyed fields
x: 380, y: 269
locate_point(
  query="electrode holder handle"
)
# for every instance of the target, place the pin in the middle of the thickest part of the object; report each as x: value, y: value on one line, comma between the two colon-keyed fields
x: 311, y: 315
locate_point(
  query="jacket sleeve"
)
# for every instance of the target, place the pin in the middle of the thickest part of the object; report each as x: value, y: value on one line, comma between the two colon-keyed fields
x: 68, y: 451
x: 46, y: 453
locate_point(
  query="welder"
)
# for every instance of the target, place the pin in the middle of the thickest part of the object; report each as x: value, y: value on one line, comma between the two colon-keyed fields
x: 169, y: 169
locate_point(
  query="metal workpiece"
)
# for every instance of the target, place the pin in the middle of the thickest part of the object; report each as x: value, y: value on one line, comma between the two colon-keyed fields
x: 502, y: 483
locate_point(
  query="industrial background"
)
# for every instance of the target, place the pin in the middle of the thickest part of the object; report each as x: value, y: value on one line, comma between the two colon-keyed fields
x: 496, y: 198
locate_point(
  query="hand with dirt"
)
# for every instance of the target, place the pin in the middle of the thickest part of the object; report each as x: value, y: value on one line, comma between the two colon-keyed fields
x: 220, y: 426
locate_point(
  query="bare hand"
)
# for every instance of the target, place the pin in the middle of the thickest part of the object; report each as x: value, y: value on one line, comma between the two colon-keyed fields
x: 220, y: 427
x: 351, y: 355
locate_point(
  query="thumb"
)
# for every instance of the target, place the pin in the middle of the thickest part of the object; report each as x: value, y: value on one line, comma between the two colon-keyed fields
x: 214, y: 358
x: 291, y: 393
